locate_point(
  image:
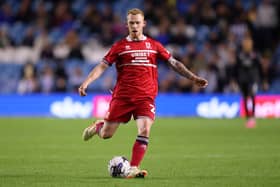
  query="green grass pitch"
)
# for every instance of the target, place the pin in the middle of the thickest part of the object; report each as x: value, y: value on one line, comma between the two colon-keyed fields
x: 187, y: 152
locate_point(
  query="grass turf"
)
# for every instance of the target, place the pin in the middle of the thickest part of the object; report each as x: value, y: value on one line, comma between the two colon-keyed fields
x: 182, y: 152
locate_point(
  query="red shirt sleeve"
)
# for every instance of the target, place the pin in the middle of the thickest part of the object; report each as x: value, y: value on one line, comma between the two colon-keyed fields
x: 163, y: 53
x: 111, y: 56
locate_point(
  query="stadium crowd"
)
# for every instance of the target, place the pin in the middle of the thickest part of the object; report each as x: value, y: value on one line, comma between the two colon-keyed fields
x: 50, y: 46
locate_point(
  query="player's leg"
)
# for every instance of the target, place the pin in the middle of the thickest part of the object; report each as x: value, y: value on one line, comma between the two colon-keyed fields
x: 102, y: 128
x: 142, y: 140
x: 252, y: 93
x: 93, y: 129
x: 140, y: 147
x: 108, y: 129
x: 245, y: 93
x: 247, y: 90
x: 119, y: 112
x: 251, y: 122
x: 144, y: 115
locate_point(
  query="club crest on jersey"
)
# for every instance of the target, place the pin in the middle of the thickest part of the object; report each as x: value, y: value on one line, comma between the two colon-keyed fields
x: 127, y: 47
x: 148, y: 45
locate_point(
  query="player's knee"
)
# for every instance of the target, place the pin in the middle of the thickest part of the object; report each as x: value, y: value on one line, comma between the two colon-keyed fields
x: 144, y: 127
x: 106, y: 134
x: 144, y: 130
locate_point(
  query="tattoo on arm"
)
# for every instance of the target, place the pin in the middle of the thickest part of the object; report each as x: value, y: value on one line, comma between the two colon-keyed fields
x: 180, y: 68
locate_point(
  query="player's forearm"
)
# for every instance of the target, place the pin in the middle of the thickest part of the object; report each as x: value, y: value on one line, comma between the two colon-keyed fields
x: 180, y: 68
x: 94, y: 74
x: 91, y: 77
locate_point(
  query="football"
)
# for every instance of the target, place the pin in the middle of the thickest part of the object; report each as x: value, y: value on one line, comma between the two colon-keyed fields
x: 118, y: 166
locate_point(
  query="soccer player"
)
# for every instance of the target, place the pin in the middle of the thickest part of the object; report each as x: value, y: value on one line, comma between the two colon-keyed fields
x: 248, y: 74
x: 136, y: 87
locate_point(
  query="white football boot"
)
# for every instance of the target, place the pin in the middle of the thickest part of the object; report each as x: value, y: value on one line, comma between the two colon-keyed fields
x: 90, y: 131
x: 135, y: 172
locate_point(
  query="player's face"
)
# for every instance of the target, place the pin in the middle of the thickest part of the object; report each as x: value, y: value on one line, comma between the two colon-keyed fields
x: 135, y: 24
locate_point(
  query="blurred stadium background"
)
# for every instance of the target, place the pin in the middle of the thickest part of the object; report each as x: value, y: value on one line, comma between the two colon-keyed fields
x: 47, y: 48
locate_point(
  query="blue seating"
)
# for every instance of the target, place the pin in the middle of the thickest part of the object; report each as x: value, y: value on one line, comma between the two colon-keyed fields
x: 11, y: 72
x: 9, y: 77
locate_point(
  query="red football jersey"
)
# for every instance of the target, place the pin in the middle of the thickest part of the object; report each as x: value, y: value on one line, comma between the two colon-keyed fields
x: 136, y: 63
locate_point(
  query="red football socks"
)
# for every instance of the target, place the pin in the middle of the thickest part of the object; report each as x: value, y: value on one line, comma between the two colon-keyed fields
x: 139, y: 150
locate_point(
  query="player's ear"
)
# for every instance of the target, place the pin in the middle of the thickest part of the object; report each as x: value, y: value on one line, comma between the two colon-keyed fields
x: 126, y: 23
x: 145, y: 23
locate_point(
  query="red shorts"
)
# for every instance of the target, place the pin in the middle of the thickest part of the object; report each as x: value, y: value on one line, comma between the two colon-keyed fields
x: 121, y: 110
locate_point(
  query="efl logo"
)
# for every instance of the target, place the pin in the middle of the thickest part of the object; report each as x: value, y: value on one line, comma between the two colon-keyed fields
x: 266, y: 107
x: 101, y: 105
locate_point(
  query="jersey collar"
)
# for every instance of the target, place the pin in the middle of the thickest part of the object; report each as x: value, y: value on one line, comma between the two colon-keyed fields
x: 129, y: 39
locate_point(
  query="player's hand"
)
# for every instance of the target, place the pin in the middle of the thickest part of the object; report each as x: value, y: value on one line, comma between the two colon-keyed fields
x: 82, y: 90
x: 201, y: 82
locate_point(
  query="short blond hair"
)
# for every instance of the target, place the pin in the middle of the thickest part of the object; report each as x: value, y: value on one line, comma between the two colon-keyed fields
x: 135, y: 11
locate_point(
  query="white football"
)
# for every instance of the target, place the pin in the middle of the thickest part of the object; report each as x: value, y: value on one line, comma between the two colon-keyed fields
x: 118, y: 166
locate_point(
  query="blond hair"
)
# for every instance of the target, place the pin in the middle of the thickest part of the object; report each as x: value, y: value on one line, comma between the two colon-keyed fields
x: 135, y: 11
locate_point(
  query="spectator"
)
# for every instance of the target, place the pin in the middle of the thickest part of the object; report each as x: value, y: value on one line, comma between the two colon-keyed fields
x: 267, y: 73
x: 76, y: 78
x: 73, y: 42
x: 25, y: 13
x: 5, y: 40
x: 267, y: 23
x: 29, y: 37
x: 6, y: 14
x: 59, y: 30
x: 47, y: 80
x: 28, y: 83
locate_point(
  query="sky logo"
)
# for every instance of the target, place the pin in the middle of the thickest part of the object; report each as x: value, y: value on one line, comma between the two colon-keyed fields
x: 67, y: 108
x: 217, y: 109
